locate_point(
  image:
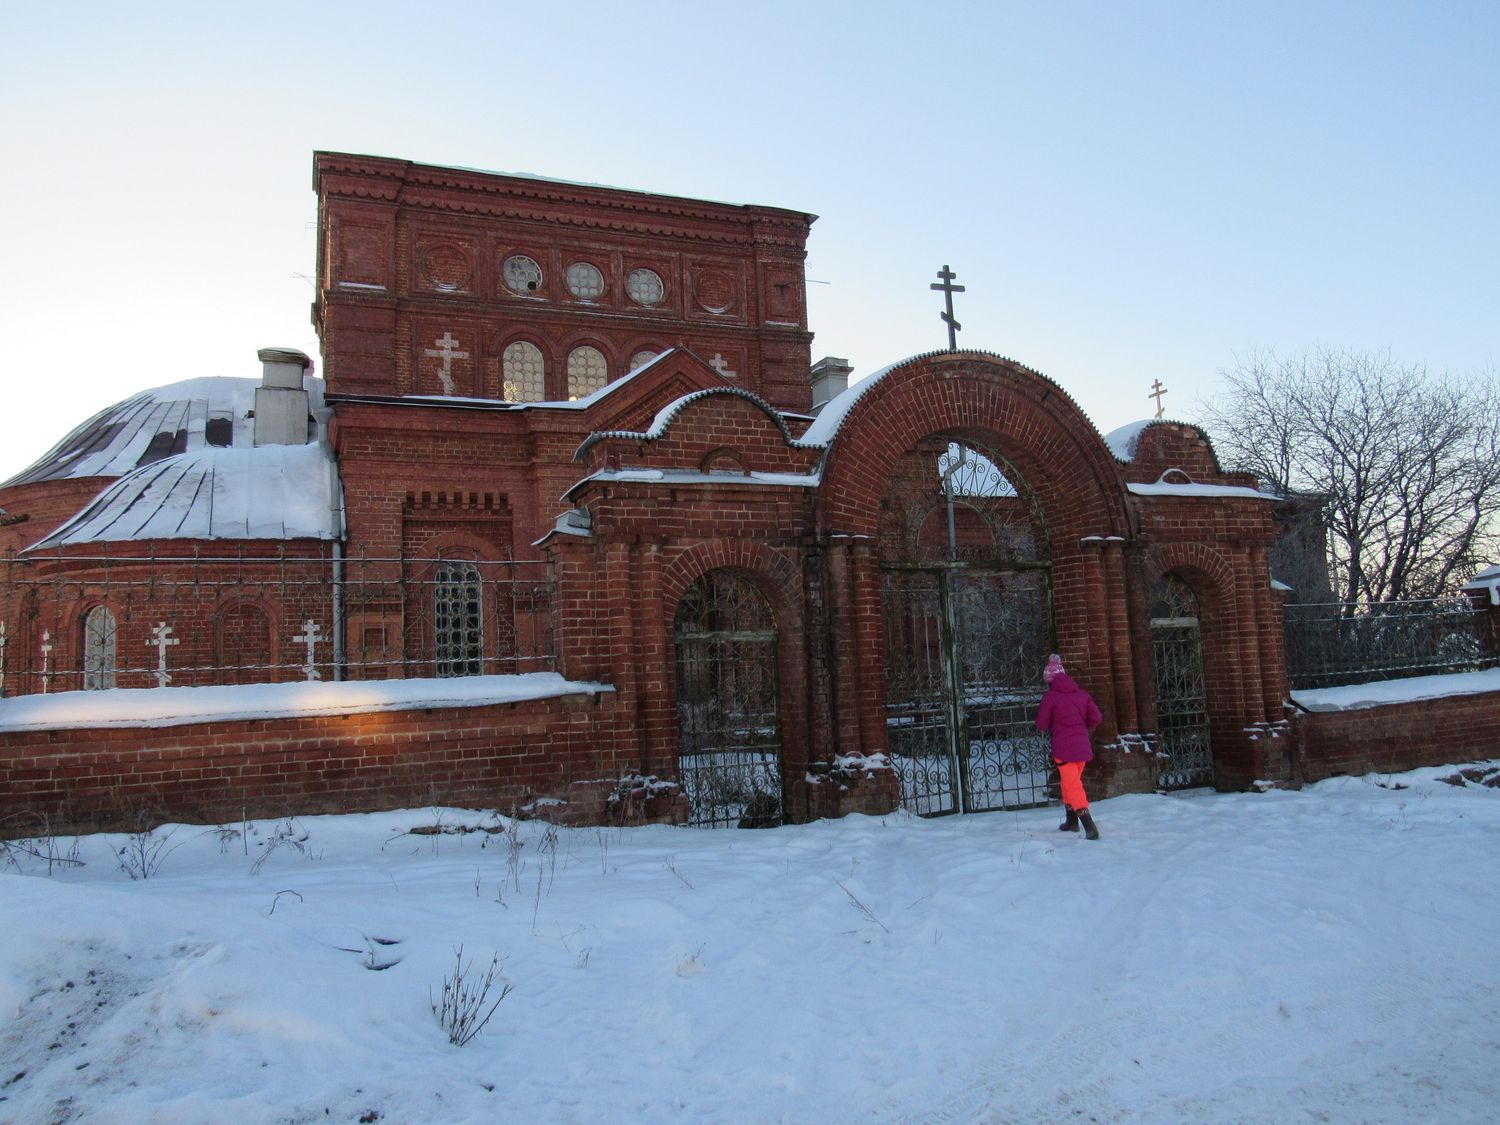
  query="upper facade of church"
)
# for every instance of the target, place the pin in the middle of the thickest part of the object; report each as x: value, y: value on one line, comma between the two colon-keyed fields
x: 474, y: 285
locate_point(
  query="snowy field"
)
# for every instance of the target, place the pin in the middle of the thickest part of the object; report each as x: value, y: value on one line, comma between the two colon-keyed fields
x: 1323, y: 955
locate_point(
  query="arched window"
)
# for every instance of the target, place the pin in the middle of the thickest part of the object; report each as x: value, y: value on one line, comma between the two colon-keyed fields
x: 523, y: 372
x: 100, y: 639
x: 586, y: 372
x: 642, y: 357
x: 458, y: 620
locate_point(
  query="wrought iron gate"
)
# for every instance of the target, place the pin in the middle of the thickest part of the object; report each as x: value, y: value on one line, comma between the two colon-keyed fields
x: 968, y: 615
x: 1181, y: 700
x: 729, y: 736
x: 964, y: 652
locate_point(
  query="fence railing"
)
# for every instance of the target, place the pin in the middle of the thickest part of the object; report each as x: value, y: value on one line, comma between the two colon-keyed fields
x: 103, y: 621
x: 1332, y: 644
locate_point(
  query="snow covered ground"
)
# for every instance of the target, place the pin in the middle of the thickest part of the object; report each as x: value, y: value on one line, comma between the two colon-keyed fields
x: 1323, y: 955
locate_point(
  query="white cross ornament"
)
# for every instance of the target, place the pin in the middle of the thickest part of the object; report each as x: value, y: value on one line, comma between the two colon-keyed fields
x: 310, y: 637
x: 162, y: 639
x: 447, y: 351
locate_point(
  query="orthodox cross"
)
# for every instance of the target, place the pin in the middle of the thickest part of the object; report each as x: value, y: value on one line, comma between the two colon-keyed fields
x: 162, y: 639
x: 46, y: 651
x: 948, y: 289
x: 721, y: 365
x: 4, y: 643
x: 1157, y: 390
x: 310, y: 637
x: 447, y: 351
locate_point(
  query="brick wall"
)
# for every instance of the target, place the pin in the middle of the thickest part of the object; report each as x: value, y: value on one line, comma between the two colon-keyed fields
x: 1396, y: 736
x: 501, y: 756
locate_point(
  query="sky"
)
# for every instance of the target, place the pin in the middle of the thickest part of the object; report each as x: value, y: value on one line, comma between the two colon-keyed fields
x: 1182, y: 968
x: 1127, y: 192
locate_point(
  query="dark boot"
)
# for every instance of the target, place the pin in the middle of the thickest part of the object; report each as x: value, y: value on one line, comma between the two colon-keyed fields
x: 1071, y: 824
x: 1089, y: 830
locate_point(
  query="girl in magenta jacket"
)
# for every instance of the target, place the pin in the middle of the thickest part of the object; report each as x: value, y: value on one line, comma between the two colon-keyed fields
x: 1069, y: 713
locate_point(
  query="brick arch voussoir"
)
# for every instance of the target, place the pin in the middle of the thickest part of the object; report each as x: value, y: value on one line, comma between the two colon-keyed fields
x: 772, y: 573
x: 1029, y: 420
x: 1206, y: 568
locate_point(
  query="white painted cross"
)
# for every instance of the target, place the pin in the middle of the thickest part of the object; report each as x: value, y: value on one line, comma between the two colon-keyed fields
x: 46, y: 651
x: 310, y: 637
x: 4, y: 644
x: 162, y: 638
x: 447, y: 351
x: 721, y: 365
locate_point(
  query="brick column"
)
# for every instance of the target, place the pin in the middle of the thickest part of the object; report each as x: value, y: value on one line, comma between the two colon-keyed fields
x: 1093, y: 647
x: 843, y: 626
x: 869, y: 652
x: 658, y: 662
x: 614, y: 605
x: 1269, y: 627
x: 1121, y: 656
x: 1248, y: 626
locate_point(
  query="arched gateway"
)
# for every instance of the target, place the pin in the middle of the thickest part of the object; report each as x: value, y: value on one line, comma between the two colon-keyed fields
x: 980, y: 481
x: 968, y: 620
x: 852, y: 614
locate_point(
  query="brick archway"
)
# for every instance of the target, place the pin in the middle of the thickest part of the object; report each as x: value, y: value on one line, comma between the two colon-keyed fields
x: 1025, y: 416
x: 1063, y: 466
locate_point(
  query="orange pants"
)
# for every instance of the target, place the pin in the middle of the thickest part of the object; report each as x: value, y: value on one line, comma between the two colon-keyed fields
x: 1071, y: 775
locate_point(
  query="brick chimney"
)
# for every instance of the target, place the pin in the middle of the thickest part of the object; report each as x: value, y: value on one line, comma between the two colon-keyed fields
x: 281, y: 406
x: 829, y: 379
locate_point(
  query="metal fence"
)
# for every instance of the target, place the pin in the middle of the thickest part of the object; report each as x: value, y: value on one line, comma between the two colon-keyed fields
x: 106, y: 621
x: 1332, y: 644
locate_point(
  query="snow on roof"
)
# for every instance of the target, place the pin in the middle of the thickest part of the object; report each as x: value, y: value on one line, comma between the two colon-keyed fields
x: 264, y: 492
x: 826, y: 425
x: 573, y: 404
x: 664, y: 417
x: 1123, y: 441
x: 1160, y: 489
x: 1487, y: 579
x: 1359, y: 696
x: 204, y: 413
x: 177, y: 706
x: 693, y: 476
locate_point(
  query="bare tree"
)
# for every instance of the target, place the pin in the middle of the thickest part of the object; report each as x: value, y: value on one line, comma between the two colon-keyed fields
x: 1407, y: 463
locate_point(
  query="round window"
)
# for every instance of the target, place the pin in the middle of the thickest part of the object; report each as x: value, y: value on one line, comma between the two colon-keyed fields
x: 645, y: 287
x: 522, y: 274
x: 585, y: 281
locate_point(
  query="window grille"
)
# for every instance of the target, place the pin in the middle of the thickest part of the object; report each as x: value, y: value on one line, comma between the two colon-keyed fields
x: 587, y: 372
x: 458, y: 620
x: 100, y: 639
x: 525, y: 376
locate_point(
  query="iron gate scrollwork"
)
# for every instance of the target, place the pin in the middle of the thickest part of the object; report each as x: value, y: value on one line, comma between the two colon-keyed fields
x: 1181, y: 699
x: 968, y: 628
x: 729, y: 734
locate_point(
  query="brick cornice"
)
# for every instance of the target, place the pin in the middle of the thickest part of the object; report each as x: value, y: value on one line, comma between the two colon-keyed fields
x: 585, y: 206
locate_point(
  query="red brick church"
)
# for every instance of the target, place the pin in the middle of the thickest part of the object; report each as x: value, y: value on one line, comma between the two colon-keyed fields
x: 571, y: 520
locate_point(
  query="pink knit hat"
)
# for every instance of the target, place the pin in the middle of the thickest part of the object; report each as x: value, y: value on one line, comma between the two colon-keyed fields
x: 1053, y: 669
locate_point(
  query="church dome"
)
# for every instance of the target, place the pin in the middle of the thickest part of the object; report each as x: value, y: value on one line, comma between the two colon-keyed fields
x: 185, y: 417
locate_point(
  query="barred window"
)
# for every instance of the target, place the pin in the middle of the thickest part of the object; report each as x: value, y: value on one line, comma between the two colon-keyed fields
x: 586, y: 372
x: 100, y: 640
x: 645, y: 287
x: 523, y: 372
x: 458, y: 622
x: 522, y: 274
x: 585, y: 281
